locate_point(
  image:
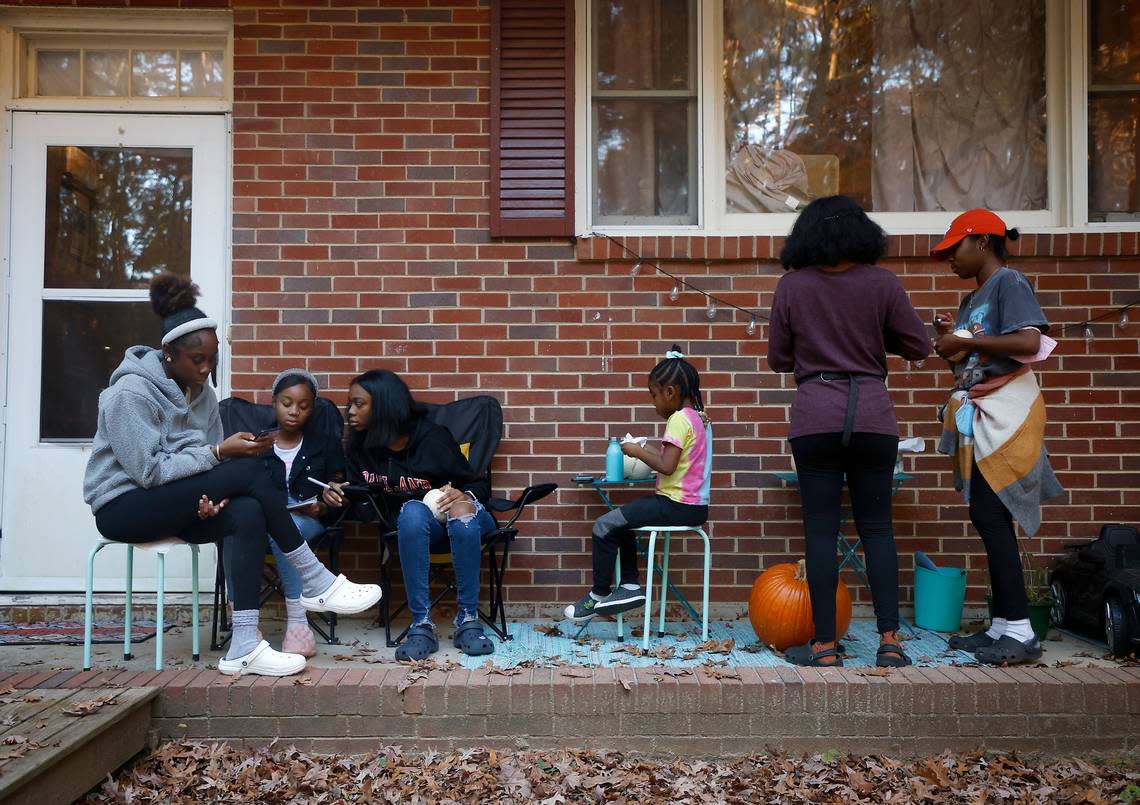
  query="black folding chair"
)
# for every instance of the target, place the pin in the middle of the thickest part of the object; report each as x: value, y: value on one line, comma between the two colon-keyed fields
x: 477, y: 425
x: 238, y: 415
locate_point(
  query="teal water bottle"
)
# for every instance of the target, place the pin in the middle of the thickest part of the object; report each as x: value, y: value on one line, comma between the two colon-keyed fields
x: 615, y: 462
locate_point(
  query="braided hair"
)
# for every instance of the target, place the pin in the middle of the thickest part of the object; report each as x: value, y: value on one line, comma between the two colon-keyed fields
x: 676, y: 371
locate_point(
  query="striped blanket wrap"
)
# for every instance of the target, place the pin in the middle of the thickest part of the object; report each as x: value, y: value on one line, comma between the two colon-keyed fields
x: 1000, y: 424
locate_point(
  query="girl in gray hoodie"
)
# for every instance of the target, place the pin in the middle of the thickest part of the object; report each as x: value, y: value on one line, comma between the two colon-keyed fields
x: 160, y: 467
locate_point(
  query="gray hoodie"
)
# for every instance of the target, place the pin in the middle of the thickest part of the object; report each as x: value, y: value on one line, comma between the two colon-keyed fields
x: 148, y: 435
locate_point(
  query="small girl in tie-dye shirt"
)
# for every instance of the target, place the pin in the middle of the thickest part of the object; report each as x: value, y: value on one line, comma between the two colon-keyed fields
x: 684, y: 470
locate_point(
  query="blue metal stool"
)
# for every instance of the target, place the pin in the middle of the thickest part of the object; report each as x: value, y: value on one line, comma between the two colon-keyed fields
x: 161, y: 548
x: 667, y: 530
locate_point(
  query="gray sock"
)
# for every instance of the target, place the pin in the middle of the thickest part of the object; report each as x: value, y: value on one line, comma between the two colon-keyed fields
x: 315, y: 577
x: 295, y: 614
x: 244, y: 637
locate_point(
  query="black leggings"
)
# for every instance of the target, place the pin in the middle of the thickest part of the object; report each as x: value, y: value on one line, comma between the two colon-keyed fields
x: 868, y: 463
x: 255, y: 507
x: 995, y: 525
x: 613, y: 533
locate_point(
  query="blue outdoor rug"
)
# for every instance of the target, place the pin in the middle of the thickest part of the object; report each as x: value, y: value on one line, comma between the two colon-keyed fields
x: 681, y: 646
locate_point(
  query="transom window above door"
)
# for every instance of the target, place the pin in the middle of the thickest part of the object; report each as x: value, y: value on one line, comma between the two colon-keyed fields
x: 129, y: 73
x: 120, y: 60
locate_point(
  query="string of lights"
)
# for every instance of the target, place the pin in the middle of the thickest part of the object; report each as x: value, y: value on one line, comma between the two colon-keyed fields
x: 713, y: 302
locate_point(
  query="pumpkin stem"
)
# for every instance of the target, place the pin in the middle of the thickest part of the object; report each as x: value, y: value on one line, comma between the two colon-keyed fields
x: 801, y: 570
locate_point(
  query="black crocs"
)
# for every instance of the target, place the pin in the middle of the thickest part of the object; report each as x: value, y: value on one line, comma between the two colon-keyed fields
x: 469, y: 639
x: 419, y: 643
x: 803, y: 655
x: 973, y: 642
x: 1010, y: 651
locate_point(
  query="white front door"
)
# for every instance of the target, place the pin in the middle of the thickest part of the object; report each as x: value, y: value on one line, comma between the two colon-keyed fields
x: 99, y: 204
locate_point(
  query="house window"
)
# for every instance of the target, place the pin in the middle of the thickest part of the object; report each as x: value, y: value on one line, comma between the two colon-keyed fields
x: 918, y: 109
x: 128, y: 72
x: 644, y: 111
x: 904, y: 105
x: 1114, y: 110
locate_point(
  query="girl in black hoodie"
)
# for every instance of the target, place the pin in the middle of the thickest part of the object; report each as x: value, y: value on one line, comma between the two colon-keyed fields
x: 394, y: 448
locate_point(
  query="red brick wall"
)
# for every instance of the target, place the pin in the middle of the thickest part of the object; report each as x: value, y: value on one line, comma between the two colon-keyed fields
x: 360, y: 241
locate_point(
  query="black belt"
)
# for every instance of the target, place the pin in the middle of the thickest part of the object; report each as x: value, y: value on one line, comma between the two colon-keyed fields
x: 852, y: 394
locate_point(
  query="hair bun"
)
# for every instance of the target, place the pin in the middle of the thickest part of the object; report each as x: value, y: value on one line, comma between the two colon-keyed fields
x: 1012, y: 234
x: 170, y: 293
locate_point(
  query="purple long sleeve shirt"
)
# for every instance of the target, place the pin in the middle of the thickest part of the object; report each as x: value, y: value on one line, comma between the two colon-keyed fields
x: 846, y: 321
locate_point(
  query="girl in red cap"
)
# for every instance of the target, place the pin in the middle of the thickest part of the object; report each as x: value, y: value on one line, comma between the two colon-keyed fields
x: 994, y: 423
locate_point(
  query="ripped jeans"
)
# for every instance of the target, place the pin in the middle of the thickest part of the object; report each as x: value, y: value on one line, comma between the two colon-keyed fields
x: 419, y: 534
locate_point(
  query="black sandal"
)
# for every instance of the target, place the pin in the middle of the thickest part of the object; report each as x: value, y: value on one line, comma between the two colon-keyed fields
x: 891, y: 655
x: 803, y: 655
x: 419, y: 643
x: 469, y: 639
x: 1009, y: 651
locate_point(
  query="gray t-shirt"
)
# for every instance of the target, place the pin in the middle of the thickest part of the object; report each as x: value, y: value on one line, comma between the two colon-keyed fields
x: 1004, y: 304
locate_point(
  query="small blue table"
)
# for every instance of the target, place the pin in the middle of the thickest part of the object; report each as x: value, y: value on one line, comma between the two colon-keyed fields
x: 602, y: 487
x: 848, y: 548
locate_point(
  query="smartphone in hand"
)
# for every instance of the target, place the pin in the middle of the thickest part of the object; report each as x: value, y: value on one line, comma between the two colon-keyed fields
x: 266, y: 432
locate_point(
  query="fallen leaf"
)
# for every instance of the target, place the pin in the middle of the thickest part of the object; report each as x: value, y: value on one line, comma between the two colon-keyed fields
x: 90, y: 706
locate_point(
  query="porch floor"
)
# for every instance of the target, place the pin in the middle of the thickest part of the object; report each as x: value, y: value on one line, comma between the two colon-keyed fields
x: 540, y: 692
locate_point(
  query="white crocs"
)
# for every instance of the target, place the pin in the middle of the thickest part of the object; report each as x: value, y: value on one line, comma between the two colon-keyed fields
x: 264, y: 661
x: 344, y: 597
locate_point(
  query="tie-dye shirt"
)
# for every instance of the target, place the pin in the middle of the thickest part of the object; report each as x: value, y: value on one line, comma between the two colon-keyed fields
x: 689, y: 483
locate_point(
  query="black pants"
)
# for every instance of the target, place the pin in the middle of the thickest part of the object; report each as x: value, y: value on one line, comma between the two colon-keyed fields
x: 868, y: 464
x: 995, y: 525
x: 613, y: 532
x: 255, y: 507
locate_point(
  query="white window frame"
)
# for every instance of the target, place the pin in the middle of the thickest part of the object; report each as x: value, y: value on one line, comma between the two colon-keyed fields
x: 1066, y: 78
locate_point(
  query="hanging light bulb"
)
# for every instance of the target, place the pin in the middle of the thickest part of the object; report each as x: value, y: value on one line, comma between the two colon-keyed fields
x: 675, y: 294
x: 710, y: 311
x: 1088, y: 333
x: 751, y: 328
x: 633, y: 272
x: 1124, y: 318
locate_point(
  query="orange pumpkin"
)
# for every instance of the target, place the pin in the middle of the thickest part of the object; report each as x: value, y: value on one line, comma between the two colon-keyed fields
x: 780, y: 607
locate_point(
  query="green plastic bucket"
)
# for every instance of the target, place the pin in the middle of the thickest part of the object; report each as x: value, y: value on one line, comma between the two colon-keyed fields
x: 938, y: 598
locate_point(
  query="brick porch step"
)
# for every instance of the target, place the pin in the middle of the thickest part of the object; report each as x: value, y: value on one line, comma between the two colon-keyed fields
x: 652, y: 710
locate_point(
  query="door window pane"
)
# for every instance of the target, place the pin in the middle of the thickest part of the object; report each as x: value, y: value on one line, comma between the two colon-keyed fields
x: 57, y: 72
x: 106, y: 73
x: 904, y: 105
x: 155, y: 73
x: 116, y: 216
x: 201, y: 73
x: 1114, y: 110
x: 83, y: 342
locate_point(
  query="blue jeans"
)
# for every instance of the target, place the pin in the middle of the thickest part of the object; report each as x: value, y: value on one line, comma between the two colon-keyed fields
x: 310, y: 528
x: 419, y: 534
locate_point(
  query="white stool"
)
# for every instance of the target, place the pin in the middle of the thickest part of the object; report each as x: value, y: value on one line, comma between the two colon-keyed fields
x: 160, y: 548
x: 668, y: 530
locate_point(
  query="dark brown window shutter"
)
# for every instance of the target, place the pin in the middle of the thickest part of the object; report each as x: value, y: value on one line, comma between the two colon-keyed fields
x: 532, y: 118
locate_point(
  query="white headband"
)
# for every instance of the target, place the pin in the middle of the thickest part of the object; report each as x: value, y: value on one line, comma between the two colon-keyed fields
x: 192, y: 326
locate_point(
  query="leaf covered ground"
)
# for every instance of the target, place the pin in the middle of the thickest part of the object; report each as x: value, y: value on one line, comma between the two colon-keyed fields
x: 204, y: 772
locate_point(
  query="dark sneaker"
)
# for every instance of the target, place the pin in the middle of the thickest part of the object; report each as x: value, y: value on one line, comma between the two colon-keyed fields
x: 582, y: 609
x: 1008, y: 651
x: 621, y: 600
x: 971, y: 643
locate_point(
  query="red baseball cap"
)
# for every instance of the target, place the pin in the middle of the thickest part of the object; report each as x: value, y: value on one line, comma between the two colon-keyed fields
x: 971, y: 222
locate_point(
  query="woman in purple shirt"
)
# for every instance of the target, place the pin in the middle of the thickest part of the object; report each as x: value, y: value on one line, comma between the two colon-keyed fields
x: 835, y: 317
